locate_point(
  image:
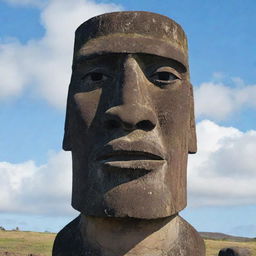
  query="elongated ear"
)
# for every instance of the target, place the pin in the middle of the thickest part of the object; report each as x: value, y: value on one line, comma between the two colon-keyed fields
x: 66, y: 144
x: 192, y: 144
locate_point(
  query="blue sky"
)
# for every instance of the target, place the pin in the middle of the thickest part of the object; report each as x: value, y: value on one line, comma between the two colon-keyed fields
x: 36, y: 40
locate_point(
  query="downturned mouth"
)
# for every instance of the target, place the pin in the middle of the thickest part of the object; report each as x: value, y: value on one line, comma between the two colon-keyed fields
x: 125, y: 155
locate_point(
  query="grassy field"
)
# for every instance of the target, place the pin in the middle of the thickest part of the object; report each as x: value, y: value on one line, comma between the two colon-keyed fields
x: 19, y: 243
x: 213, y: 246
x: 23, y: 243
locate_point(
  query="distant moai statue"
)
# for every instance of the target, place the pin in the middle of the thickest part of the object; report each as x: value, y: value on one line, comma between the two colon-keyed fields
x: 130, y: 126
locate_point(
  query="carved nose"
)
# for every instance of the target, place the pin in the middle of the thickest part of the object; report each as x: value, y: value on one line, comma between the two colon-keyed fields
x: 132, y: 108
x: 130, y: 118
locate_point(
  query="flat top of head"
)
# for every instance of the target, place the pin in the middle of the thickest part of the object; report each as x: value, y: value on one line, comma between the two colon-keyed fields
x: 132, y: 32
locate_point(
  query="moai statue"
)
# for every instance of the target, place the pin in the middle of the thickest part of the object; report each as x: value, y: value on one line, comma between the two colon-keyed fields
x: 130, y: 126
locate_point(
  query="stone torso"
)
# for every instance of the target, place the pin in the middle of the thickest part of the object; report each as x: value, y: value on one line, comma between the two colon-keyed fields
x: 175, y: 235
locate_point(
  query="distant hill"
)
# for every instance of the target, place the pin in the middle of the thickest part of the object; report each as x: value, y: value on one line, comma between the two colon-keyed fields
x: 221, y: 236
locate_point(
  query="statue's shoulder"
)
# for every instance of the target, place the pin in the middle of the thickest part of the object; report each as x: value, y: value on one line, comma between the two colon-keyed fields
x: 190, y: 242
x: 68, y: 241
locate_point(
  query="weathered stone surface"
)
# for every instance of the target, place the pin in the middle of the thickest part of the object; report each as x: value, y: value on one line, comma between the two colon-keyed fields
x: 146, y: 238
x: 130, y: 126
x: 235, y: 251
x: 130, y: 32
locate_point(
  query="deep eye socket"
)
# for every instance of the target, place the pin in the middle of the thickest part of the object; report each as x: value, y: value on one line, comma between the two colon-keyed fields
x: 95, y: 77
x: 164, y: 76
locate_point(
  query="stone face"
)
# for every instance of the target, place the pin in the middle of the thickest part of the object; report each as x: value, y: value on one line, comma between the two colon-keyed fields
x: 130, y: 126
x: 129, y: 135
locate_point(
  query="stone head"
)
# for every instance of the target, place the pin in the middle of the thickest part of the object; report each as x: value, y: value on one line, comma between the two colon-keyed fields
x: 130, y: 116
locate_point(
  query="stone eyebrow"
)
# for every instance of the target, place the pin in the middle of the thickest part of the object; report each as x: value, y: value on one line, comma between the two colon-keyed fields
x: 82, y: 59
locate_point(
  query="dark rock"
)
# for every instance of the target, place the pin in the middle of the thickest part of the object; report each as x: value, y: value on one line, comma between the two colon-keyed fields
x: 235, y: 251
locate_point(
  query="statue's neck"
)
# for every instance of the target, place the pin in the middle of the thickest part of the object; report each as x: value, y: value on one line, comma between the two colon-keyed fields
x: 129, y: 236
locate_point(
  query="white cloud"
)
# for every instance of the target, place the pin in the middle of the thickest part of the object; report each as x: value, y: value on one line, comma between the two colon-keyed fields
x: 45, y: 64
x: 13, y: 78
x: 45, y: 189
x: 223, y: 171
x: 217, y: 101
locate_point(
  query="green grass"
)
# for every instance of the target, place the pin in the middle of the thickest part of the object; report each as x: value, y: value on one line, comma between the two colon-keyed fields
x: 213, y: 246
x: 23, y: 243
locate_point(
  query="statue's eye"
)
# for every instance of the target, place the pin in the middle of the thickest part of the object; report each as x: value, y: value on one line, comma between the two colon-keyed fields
x: 94, y: 77
x: 164, y: 76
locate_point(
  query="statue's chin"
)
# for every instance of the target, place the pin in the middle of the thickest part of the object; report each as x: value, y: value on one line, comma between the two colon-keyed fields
x: 149, y: 196
x: 140, y: 199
